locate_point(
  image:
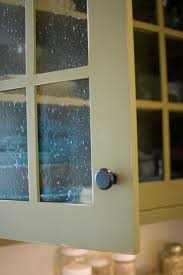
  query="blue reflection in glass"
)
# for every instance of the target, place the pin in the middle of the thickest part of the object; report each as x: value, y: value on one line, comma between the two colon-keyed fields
x: 64, y: 141
x: 13, y: 147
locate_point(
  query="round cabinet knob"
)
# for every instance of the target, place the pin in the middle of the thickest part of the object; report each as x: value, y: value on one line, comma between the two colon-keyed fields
x: 105, y: 178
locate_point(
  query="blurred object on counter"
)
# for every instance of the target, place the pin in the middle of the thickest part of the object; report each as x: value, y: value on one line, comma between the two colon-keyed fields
x: 171, y: 259
x: 124, y: 264
x: 101, y: 266
x: 77, y: 269
x: 71, y: 261
x: 67, y: 255
x: 155, y: 273
x: 73, y: 255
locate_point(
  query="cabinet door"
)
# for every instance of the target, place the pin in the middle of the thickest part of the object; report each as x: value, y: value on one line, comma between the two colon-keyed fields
x: 158, y: 41
x: 63, y: 118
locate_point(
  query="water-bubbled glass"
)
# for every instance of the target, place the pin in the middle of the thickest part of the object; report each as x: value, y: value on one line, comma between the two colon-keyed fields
x: 12, y: 38
x: 13, y: 146
x: 62, y: 36
x: 64, y: 142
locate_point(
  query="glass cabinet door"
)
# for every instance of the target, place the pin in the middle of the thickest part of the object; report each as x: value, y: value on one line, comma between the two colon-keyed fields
x: 158, y: 58
x: 64, y: 119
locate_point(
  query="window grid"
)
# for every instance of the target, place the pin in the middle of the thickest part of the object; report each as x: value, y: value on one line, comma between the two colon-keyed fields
x: 163, y: 104
x: 30, y: 81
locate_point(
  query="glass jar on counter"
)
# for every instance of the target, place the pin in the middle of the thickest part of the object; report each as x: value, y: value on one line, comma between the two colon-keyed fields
x: 172, y: 259
x: 67, y: 255
x: 124, y: 264
x: 73, y: 255
x: 77, y: 269
x: 101, y: 266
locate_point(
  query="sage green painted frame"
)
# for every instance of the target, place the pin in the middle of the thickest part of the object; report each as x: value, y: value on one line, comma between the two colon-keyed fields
x: 112, y: 221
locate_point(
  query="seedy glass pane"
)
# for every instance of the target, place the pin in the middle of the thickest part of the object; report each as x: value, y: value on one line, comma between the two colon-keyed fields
x: 176, y: 141
x: 150, y: 151
x: 12, y: 38
x: 64, y: 142
x: 62, y: 38
x: 175, y: 69
x: 147, y: 67
x: 13, y: 146
x: 145, y: 11
x: 173, y: 11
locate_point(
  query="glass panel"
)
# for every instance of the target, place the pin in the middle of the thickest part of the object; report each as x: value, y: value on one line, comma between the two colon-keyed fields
x: 150, y: 151
x: 175, y: 69
x: 64, y: 142
x: 12, y: 38
x: 13, y: 146
x: 147, y: 66
x: 145, y: 11
x: 173, y: 10
x: 62, y: 40
x: 176, y: 141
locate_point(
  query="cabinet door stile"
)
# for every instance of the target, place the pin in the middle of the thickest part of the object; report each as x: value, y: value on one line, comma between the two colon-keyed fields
x: 31, y: 102
x: 133, y: 114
